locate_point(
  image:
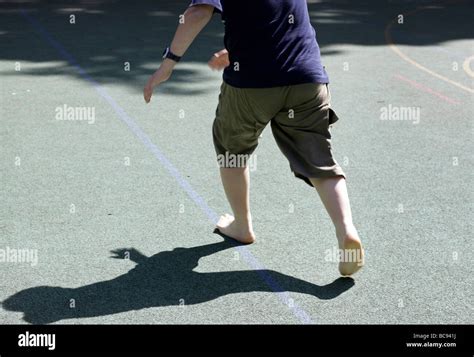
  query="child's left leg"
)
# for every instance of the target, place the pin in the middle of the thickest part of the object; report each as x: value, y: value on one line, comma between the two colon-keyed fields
x: 236, y: 182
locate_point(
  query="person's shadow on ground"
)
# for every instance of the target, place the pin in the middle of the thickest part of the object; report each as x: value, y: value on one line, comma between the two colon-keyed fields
x: 164, y: 279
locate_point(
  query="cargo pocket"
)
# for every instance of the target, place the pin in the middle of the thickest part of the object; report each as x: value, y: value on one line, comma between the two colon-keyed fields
x: 332, y: 117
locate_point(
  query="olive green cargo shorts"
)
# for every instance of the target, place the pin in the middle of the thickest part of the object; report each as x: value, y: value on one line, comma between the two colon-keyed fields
x: 300, y: 117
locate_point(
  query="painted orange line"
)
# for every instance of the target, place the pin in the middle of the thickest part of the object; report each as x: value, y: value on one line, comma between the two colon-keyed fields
x: 394, y: 48
x: 467, y: 66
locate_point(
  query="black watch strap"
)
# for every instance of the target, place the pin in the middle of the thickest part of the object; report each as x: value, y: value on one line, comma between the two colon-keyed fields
x: 170, y: 55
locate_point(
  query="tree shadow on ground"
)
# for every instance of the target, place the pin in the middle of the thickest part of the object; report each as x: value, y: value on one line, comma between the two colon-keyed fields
x: 164, y: 279
x: 108, y: 33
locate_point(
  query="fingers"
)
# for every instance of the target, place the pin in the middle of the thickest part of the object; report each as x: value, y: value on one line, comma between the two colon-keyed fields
x: 148, y: 90
x: 213, y: 61
x: 218, y: 62
x: 212, y: 64
x: 160, y: 76
x: 147, y: 93
x: 223, y: 52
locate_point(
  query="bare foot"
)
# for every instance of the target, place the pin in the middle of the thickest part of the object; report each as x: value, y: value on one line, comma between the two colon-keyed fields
x: 352, y: 253
x: 242, y: 233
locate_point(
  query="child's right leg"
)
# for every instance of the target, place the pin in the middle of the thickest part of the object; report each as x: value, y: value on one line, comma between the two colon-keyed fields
x: 304, y: 137
x: 333, y: 193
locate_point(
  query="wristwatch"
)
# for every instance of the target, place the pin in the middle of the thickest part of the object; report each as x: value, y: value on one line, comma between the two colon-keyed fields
x: 170, y: 55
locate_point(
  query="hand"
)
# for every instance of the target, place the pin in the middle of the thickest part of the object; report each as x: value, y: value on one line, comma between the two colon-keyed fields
x: 161, y: 75
x: 219, y: 60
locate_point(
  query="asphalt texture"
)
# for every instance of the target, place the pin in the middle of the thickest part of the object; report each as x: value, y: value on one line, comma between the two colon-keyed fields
x: 141, y: 182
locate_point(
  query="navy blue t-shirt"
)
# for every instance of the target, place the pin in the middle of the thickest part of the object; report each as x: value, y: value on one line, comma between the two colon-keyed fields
x: 271, y: 43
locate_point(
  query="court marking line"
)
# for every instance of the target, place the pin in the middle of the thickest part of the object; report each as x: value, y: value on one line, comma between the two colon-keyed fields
x: 467, y: 66
x: 394, y: 48
x: 427, y: 89
x: 248, y: 257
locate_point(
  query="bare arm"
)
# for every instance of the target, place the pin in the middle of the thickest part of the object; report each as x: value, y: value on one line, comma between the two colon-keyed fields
x: 195, y: 19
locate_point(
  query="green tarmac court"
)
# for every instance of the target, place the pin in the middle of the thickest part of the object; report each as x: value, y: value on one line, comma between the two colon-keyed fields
x: 108, y: 205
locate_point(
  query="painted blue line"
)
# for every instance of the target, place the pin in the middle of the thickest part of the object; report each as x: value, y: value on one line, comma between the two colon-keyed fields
x: 145, y: 139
